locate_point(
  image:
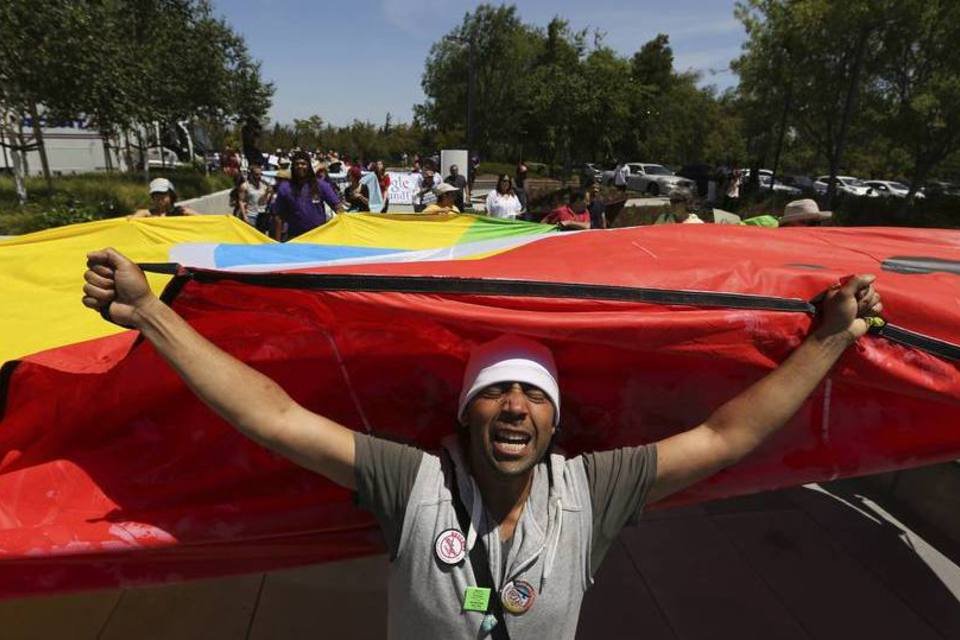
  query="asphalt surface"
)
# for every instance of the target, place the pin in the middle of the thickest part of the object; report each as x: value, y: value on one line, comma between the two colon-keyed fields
x: 803, y: 563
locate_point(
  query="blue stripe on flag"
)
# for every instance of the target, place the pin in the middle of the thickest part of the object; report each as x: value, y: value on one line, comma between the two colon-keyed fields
x: 233, y: 255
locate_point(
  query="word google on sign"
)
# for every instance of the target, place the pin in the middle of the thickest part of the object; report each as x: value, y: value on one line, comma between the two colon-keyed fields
x: 403, y: 187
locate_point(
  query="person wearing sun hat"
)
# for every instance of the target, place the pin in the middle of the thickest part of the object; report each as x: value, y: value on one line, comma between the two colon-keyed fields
x: 803, y: 213
x: 498, y: 534
x: 446, y: 200
x: 163, y: 202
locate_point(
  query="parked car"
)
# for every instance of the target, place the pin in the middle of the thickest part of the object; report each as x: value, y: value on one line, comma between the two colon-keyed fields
x: 538, y: 168
x: 893, y: 189
x: 657, y: 180
x: 768, y: 183
x: 847, y: 185
x: 606, y: 174
x: 942, y: 188
x: 163, y: 157
x: 590, y: 171
x: 804, y: 183
x: 701, y: 174
x: 763, y: 172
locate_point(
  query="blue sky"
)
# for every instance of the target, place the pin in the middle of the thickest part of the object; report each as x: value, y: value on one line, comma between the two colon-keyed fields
x: 363, y: 58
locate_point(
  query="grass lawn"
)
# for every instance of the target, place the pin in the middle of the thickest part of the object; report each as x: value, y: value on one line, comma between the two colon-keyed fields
x: 91, y: 196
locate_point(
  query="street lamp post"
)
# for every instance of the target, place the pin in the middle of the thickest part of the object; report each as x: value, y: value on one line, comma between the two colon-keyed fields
x: 471, y: 96
x: 471, y: 99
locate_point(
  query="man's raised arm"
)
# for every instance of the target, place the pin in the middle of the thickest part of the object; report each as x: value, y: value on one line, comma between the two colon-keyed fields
x: 246, y: 398
x: 740, y: 425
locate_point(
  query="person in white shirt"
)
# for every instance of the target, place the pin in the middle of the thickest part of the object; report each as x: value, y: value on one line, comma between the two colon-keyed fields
x: 733, y: 185
x: 503, y: 202
x: 621, y: 175
x: 253, y: 196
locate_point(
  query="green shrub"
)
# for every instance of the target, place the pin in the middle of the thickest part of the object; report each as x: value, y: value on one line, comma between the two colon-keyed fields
x: 499, y: 168
x: 936, y: 212
x: 92, y: 196
x: 53, y: 212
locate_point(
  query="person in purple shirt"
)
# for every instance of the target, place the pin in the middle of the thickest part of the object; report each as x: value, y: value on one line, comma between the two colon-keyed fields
x: 300, y: 200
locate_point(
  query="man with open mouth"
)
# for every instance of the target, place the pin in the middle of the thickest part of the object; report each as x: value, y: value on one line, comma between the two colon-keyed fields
x: 497, y: 535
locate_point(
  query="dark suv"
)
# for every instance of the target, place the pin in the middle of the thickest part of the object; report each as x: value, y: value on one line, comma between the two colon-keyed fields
x: 699, y: 173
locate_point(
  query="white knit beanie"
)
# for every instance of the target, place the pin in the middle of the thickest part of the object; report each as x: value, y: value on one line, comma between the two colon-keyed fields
x: 511, y: 358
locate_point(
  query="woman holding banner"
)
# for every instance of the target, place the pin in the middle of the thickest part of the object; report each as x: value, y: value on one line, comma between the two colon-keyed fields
x: 503, y: 202
x: 384, y: 179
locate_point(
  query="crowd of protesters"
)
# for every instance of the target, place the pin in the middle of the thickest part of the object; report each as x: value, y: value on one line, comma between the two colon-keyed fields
x: 288, y: 193
x: 302, y: 190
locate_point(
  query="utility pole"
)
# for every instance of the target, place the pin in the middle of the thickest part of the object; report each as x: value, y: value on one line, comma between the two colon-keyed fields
x: 470, y: 42
x: 471, y: 98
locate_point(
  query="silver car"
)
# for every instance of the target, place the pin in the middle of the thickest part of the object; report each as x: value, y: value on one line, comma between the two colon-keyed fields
x: 893, y: 189
x: 657, y: 180
x: 846, y: 185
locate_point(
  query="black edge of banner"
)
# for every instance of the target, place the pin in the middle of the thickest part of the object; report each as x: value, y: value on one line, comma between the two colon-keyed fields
x: 485, y: 286
x: 168, y: 268
x: 935, y: 346
x: 174, y: 287
x: 6, y: 375
x: 530, y: 289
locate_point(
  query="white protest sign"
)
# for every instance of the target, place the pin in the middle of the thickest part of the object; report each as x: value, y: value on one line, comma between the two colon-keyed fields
x: 403, y: 186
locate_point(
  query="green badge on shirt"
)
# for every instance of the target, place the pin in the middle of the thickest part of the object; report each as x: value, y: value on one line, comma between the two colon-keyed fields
x: 476, y: 599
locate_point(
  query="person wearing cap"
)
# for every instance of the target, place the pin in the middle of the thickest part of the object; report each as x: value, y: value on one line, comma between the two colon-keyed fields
x: 499, y: 531
x: 446, y: 200
x: 163, y: 202
x: 803, y: 213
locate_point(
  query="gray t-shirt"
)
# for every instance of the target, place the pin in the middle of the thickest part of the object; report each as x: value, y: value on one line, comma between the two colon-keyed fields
x: 619, y: 480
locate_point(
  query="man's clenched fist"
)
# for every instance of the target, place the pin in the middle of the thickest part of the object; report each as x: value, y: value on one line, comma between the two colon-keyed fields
x: 116, y: 287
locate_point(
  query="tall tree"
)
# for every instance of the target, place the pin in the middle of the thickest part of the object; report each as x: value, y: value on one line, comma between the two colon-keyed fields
x: 919, y: 84
x: 119, y: 63
x: 652, y: 65
x: 504, y: 49
x: 828, y: 50
x: 35, y: 64
x: 548, y: 92
x: 308, y: 132
x: 606, y: 110
x: 558, y: 104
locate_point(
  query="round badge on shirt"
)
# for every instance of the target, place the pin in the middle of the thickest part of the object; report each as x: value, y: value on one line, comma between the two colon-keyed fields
x: 517, y: 597
x: 450, y: 547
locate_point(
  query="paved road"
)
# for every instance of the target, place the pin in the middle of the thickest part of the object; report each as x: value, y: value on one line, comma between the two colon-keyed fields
x: 796, y: 564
